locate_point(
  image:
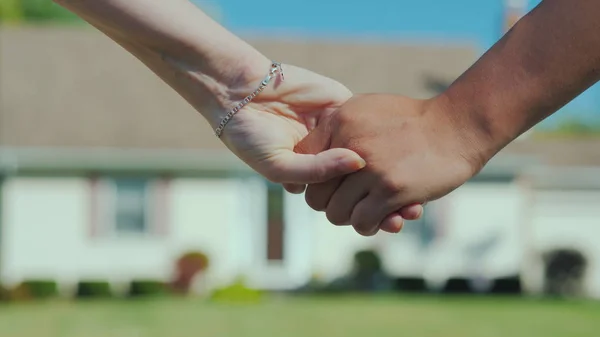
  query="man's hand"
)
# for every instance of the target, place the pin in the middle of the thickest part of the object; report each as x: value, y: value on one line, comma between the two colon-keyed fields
x: 418, y: 151
x: 414, y: 152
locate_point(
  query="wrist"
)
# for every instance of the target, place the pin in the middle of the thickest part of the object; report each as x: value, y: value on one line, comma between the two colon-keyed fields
x: 234, y: 79
x: 472, y: 127
x: 216, y: 81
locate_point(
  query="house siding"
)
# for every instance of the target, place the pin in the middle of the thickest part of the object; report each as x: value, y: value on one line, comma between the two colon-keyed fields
x: 46, y: 235
x: 333, y: 248
x: 468, y: 216
x: 295, y: 269
x: 482, y: 236
x: 566, y: 219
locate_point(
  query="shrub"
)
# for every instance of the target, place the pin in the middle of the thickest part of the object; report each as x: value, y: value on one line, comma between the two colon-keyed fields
x: 11, y: 11
x: 368, y: 274
x: 37, y: 289
x: 565, y: 271
x: 147, y: 288
x: 19, y: 293
x: 507, y: 285
x: 410, y: 284
x: 4, y: 294
x: 458, y: 286
x: 367, y: 261
x: 237, y: 292
x: 93, y: 289
x: 43, y: 10
x: 314, y: 285
x: 187, y: 267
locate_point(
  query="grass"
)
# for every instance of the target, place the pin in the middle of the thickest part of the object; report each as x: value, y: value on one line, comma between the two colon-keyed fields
x: 294, y: 317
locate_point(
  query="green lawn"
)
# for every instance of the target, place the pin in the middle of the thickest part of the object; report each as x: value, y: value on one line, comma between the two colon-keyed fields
x: 295, y: 317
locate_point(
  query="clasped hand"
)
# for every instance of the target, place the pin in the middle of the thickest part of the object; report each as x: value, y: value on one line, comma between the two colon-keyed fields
x: 370, y: 161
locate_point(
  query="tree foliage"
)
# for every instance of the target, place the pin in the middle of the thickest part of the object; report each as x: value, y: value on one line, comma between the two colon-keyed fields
x: 572, y: 128
x: 18, y: 11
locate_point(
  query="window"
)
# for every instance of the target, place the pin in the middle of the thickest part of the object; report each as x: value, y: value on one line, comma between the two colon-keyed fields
x: 131, y: 206
x: 128, y: 206
x: 275, y: 222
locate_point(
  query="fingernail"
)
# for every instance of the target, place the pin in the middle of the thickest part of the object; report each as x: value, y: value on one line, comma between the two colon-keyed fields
x: 355, y: 163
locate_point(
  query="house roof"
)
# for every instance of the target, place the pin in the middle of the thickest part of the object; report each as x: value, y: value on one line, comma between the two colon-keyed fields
x: 74, y: 87
x: 559, y: 152
x: 71, y: 95
x: 561, y: 163
x: 563, y: 178
x: 61, y: 161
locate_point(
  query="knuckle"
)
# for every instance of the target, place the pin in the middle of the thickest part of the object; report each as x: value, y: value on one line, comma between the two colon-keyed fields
x: 390, y: 186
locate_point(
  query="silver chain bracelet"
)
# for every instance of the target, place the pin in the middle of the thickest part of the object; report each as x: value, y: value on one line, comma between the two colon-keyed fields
x: 275, y: 69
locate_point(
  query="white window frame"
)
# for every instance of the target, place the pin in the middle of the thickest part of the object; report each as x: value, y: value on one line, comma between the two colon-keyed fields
x: 107, y: 217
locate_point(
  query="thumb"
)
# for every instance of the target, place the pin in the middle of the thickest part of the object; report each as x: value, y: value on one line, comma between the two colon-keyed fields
x: 313, y: 162
x: 318, y: 140
x: 296, y: 168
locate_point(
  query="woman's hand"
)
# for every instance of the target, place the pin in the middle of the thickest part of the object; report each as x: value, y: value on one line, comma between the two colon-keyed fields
x: 264, y: 133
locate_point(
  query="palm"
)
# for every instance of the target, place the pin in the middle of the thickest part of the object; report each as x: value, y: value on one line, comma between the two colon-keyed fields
x: 265, y: 132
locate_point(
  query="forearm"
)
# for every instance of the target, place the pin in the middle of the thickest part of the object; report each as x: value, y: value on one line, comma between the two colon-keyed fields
x: 550, y: 56
x: 202, y: 61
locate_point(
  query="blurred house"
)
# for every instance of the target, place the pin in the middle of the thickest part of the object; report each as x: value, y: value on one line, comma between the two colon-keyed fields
x: 107, y: 173
x: 513, y: 12
x: 560, y: 228
x: 536, y: 224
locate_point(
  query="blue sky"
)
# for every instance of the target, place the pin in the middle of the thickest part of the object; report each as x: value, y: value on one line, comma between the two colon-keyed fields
x: 426, y: 21
x: 399, y: 19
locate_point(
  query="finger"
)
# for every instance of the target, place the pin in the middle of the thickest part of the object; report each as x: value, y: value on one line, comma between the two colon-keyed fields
x: 317, y: 141
x: 411, y: 212
x: 365, y: 229
x: 371, y: 211
x: 294, y: 188
x: 392, y: 224
x: 317, y: 196
x: 360, y: 219
x: 290, y: 167
x: 351, y: 191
